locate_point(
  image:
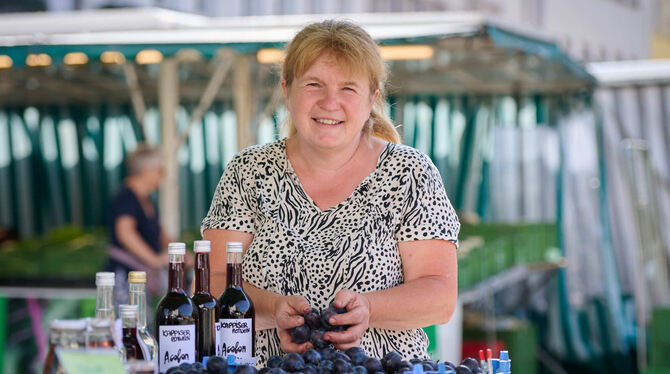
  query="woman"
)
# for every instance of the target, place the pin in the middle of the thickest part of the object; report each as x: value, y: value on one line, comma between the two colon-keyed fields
x: 339, y: 211
x: 137, y: 241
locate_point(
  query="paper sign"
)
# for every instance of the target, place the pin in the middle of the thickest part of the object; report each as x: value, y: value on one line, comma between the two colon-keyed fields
x: 99, y: 361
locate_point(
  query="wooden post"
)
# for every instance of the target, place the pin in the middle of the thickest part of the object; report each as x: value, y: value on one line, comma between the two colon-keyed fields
x: 168, y: 100
x: 242, y: 97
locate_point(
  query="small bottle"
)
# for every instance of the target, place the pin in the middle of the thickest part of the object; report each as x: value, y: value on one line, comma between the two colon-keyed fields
x: 237, y: 311
x: 66, y: 334
x: 104, y: 304
x: 204, y: 303
x: 137, y: 285
x: 175, y: 316
x: 131, y: 343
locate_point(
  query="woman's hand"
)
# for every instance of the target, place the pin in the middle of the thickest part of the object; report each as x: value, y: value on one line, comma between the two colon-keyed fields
x: 357, y: 317
x: 288, y: 314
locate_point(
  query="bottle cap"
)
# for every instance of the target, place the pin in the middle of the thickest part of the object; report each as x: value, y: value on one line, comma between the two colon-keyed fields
x: 68, y: 324
x: 127, y: 311
x: 201, y: 246
x: 233, y: 247
x: 104, y: 279
x: 176, y: 248
x: 137, y: 277
x: 504, y: 355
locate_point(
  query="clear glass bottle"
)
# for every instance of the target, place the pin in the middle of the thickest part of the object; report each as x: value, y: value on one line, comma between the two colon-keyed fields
x: 175, y: 316
x: 66, y: 334
x: 104, y: 302
x: 131, y: 343
x: 204, y: 303
x: 237, y: 313
x: 137, y: 285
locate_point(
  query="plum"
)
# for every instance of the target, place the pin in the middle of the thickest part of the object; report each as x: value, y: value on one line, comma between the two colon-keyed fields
x: 325, y: 367
x: 217, y: 365
x: 317, y: 340
x: 274, y: 362
x: 462, y: 369
x: 403, y: 367
x: 327, y: 353
x: 430, y: 363
x: 471, y: 363
x: 300, y: 334
x: 277, y: 371
x: 358, y: 369
x: 313, y: 319
x: 391, y: 361
x: 265, y: 370
x: 245, y: 369
x: 357, y: 355
x: 341, y: 366
x: 325, y: 316
x: 193, y: 370
x: 373, y: 365
x: 293, y: 362
x: 184, y: 366
x: 341, y: 355
x: 309, y: 369
x: 311, y: 356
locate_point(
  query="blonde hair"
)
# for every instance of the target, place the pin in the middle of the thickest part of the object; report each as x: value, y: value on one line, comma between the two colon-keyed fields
x: 143, y: 157
x: 357, y: 51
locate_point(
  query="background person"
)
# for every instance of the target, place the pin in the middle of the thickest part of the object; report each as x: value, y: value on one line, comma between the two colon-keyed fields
x: 136, y: 239
x: 339, y: 210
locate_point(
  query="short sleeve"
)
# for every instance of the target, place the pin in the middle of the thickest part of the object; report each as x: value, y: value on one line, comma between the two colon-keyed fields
x: 234, y: 203
x: 427, y: 212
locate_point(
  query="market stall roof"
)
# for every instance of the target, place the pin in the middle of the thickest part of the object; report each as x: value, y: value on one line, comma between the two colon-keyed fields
x: 469, y: 53
x: 630, y: 73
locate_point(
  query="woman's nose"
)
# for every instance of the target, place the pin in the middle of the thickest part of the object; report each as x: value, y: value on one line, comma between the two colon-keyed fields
x: 329, y: 100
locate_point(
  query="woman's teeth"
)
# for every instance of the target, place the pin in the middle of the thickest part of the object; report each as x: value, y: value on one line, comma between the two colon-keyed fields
x: 327, y: 121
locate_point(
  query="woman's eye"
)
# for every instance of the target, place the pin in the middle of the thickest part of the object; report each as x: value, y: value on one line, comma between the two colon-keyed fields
x: 349, y: 89
x: 313, y: 84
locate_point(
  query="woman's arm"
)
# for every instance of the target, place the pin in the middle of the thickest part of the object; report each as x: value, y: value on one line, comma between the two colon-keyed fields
x: 427, y: 296
x: 125, y: 228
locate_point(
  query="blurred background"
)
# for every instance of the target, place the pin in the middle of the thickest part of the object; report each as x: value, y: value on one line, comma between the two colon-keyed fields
x: 548, y: 119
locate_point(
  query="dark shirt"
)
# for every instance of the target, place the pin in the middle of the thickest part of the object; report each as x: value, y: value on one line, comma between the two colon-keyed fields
x: 126, y: 203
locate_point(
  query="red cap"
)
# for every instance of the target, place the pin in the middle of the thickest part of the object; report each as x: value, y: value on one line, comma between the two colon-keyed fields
x: 489, y: 354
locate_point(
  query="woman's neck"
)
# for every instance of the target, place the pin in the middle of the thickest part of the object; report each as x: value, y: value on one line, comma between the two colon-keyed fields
x: 319, y: 160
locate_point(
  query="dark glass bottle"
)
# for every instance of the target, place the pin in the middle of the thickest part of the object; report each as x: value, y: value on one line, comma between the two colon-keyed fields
x: 131, y: 343
x: 237, y: 320
x: 204, y: 303
x: 175, y: 317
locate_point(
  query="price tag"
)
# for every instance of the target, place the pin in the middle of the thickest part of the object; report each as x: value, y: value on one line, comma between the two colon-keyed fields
x: 99, y: 361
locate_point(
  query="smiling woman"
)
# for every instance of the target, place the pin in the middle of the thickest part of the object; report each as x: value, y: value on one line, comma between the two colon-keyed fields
x: 338, y: 211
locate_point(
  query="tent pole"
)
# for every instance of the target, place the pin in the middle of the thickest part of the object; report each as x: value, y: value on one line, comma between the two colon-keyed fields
x: 168, y: 100
x: 135, y: 95
x: 242, y: 97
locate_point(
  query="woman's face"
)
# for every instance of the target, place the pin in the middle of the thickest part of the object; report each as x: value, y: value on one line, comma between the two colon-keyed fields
x: 328, y: 105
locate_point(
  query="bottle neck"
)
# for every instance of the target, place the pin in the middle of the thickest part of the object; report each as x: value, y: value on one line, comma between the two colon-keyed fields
x: 202, y: 272
x: 104, y: 303
x: 137, y: 296
x: 176, y: 280
x: 234, y: 270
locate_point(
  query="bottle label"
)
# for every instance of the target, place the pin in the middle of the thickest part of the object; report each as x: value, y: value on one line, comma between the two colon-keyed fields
x: 176, y: 344
x: 236, y: 338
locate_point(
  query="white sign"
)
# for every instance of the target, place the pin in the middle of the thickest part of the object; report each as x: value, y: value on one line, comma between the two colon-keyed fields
x: 236, y: 338
x: 176, y: 344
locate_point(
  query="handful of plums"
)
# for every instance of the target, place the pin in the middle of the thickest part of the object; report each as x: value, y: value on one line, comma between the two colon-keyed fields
x: 316, y: 324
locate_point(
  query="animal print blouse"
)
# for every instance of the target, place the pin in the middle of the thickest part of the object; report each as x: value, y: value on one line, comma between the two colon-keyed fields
x: 299, y: 249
